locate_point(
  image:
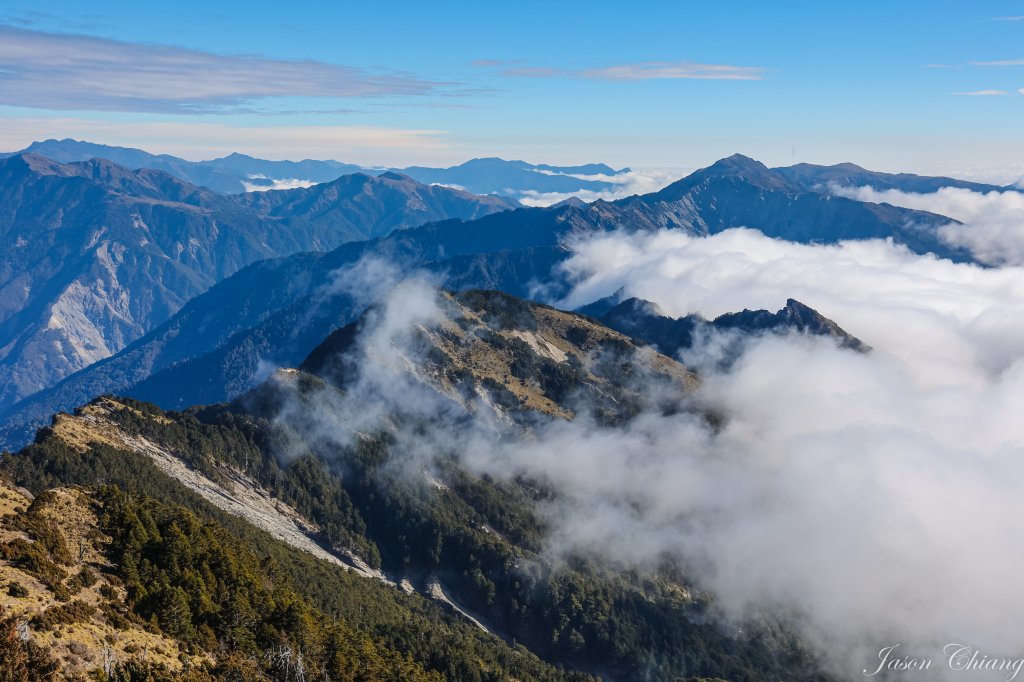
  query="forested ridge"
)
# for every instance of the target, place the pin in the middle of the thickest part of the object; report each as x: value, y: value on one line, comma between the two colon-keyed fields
x: 479, y: 536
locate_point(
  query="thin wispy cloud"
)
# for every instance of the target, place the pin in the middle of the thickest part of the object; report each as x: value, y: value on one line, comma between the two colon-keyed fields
x: 1000, y: 62
x: 677, y: 70
x: 488, y: 63
x: 86, y: 73
x: 982, y: 93
x: 654, y: 70
x: 534, y: 72
x: 1015, y: 18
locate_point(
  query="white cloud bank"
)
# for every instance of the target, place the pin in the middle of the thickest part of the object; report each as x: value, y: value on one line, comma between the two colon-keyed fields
x: 876, y: 498
x: 637, y: 181
x: 275, y: 183
x: 993, y: 226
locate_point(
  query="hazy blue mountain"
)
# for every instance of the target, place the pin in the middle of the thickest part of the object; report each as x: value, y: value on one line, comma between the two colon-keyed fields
x: 224, y: 341
x: 513, y: 178
x: 93, y: 255
x: 274, y: 312
x: 818, y: 178
x: 232, y: 174
x: 71, y: 151
x: 309, y: 169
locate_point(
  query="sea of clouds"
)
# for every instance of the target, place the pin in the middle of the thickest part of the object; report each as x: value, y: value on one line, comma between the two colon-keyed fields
x: 865, y: 499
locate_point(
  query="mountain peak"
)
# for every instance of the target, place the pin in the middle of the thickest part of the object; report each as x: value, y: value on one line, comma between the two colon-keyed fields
x: 571, y: 201
x: 733, y: 168
x: 738, y: 160
x: 739, y: 165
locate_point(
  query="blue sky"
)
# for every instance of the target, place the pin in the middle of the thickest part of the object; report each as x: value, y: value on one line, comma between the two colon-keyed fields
x: 655, y: 84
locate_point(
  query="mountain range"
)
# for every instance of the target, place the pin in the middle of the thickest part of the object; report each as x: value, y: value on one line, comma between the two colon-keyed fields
x: 222, y: 342
x: 237, y: 173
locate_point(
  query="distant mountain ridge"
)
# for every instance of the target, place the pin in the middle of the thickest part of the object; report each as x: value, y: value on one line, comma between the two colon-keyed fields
x: 237, y: 173
x: 93, y: 255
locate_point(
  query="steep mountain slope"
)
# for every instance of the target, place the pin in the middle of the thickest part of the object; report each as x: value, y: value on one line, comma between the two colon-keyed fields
x: 430, y: 525
x: 55, y: 577
x: 270, y: 314
x: 819, y: 178
x: 642, y: 320
x: 163, y: 586
x: 93, y: 255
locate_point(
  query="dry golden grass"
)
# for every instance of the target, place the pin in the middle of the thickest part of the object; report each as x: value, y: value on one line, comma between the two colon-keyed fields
x: 81, y: 646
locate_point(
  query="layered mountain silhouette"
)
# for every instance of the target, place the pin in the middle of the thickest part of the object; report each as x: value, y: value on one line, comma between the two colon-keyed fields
x: 237, y: 173
x: 93, y: 255
x: 271, y: 314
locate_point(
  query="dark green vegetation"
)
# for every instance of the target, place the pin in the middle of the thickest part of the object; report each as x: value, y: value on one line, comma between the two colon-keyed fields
x: 584, y: 615
x: 202, y: 585
x: 213, y: 581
